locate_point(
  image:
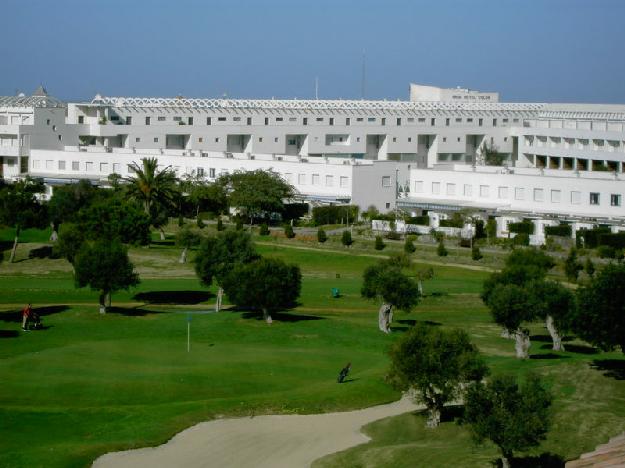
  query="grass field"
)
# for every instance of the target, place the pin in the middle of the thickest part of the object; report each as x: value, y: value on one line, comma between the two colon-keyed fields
x: 89, y: 384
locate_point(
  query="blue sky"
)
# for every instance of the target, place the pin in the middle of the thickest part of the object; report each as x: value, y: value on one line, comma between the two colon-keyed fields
x: 533, y: 50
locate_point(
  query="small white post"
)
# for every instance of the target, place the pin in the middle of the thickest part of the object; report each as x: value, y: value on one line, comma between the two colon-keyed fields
x: 189, y: 333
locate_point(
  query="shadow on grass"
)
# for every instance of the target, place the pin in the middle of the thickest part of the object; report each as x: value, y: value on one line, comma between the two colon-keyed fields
x: 166, y: 242
x: 409, y: 322
x: 16, y: 315
x: 281, y: 316
x: 9, y: 333
x: 350, y: 380
x: 573, y: 348
x: 544, y: 460
x: 549, y: 356
x: 132, y: 312
x: 614, y: 368
x: 541, y: 338
x: 452, y: 413
x: 173, y: 297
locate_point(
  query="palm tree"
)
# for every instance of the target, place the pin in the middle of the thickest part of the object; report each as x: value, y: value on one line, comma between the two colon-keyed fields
x: 155, y: 189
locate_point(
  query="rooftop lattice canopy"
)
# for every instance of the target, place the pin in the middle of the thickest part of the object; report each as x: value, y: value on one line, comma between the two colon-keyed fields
x: 39, y: 98
x: 302, y: 104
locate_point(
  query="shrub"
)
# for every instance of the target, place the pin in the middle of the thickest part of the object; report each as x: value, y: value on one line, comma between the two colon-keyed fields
x: 521, y: 239
x: 524, y: 227
x: 239, y: 225
x: 606, y: 251
x: 334, y: 214
x: 616, y: 240
x: 379, y: 243
x: 220, y: 224
x: 475, y: 253
x: 346, y: 238
x: 409, y: 246
x: 321, y: 235
x: 563, y: 230
x: 264, y: 230
x: 200, y: 222
x: 288, y: 231
x: 441, y: 251
x: 590, y: 236
x: 393, y: 235
x: 419, y: 220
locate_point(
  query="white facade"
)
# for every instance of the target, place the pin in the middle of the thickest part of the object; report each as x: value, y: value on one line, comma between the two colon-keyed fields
x: 562, y: 160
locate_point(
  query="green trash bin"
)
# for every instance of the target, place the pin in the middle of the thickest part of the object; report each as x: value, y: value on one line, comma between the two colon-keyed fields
x: 336, y: 293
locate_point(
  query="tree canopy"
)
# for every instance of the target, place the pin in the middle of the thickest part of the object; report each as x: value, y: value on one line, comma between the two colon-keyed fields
x: 386, y: 281
x: 218, y: 255
x: 266, y: 284
x: 257, y: 193
x: 20, y: 207
x: 152, y: 186
x: 435, y: 363
x: 514, y: 417
x: 104, y: 266
x: 600, y: 315
x: 68, y: 200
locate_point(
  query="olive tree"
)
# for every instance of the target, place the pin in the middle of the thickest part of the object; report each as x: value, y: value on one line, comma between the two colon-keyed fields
x: 386, y: 281
x: 435, y: 364
x: 600, y: 315
x: 556, y: 305
x: 266, y: 284
x: 515, y: 417
x: 187, y: 238
x: 104, y: 266
x: 218, y: 255
x: 20, y: 207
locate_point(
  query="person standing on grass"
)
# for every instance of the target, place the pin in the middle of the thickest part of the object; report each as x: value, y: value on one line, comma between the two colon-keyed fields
x: 26, y: 313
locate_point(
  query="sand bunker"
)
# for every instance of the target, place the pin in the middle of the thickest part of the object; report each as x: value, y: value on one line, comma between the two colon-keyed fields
x: 263, y: 441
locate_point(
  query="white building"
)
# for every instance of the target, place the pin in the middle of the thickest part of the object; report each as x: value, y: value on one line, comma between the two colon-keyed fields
x: 563, y: 161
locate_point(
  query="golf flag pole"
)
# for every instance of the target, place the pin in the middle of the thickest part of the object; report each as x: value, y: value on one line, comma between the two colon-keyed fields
x: 188, y: 333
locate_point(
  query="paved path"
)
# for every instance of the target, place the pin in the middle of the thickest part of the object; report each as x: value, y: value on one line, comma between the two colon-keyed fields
x: 276, y: 441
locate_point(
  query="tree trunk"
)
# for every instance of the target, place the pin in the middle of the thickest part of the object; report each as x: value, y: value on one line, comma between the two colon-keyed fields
x: 183, y: 255
x: 434, y: 417
x: 266, y: 316
x: 385, y: 317
x: 54, y: 235
x: 506, y: 458
x: 505, y: 333
x: 555, y: 336
x: 522, y: 343
x: 220, y: 295
x: 14, y: 249
x: 420, y: 287
x: 104, y: 299
x: 162, y: 233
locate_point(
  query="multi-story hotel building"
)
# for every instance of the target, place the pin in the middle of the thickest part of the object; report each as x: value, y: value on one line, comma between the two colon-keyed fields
x: 563, y: 161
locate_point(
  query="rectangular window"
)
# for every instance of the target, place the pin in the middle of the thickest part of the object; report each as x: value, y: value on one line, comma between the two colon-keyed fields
x: 519, y: 193
x: 249, y: 121
x: 236, y: 119
x: 615, y: 199
x: 81, y: 119
x: 344, y: 181
x: 370, y: 119
x: 49, y: 163
x: 331, y: 120
x: 494, y: 122
x: 421, y: 120
x: 576, y: 197
x: 190, y: 120
x: 155, y: 139
x: 386, y: 181
x: 116, y: 168
x: 319, y: 119
x: 480, y: 122
x: 398, y: 121
x: 555, y: 196
x: 359, y: 119
x: 503, y: 193
x: 594, y: 198
x: 104, y: 167
x: 200, y: 140
x: 163, y: 118
x: 129, y: 169
x: 216, y: 139
x: 539, y: 195
x: 447, y: 122
x: 484, y: 191
x: 177, y: 119
x: 348, y: 121
x: 128, y: 120
x: 329, y: 181
x: 137, y: 140
x: 75, y: 166
x: 410, y: 119
x: 458, y: 120
x: 61, y: 165
x: 89, y: 166
x: 211, y: 172
x: 301, y: 179
x: 315, y: 179
x: 468, y: 190
x: 279, y: 119
x: 147, y: 120
x: 219, y: 119
x: 200, y: 172
x: 266, y: 120
x: 209, y: 121
x: 418, y: 186
x: 383, y: 121
x: 35, y: 164
x: 305, y: 121
x: 291, y: 142
x: 451, y: 189
x: 436, y: 188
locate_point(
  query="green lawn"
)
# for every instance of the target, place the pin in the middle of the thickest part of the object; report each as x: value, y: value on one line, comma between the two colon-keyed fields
x: 89, y: 384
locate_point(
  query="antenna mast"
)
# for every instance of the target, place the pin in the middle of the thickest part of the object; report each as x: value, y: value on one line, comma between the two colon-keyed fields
x: 363, y: 82
x: 316, y: 87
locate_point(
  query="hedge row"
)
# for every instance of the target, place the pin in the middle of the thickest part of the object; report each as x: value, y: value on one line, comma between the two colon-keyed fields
x: 563, y: 230
x: 334, y: 214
